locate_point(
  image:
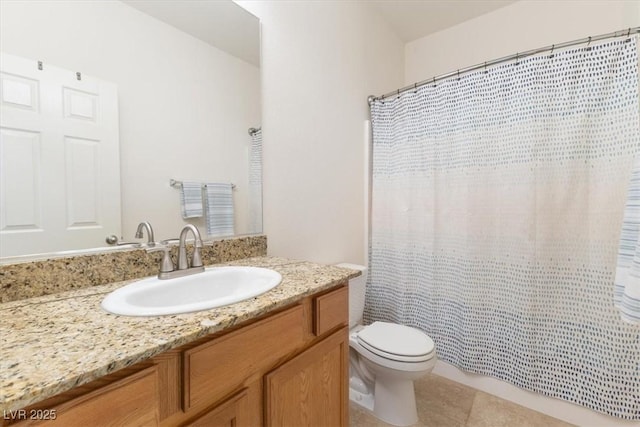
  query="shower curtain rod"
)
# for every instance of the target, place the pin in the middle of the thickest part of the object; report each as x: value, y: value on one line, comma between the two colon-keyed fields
x: 633, y: 30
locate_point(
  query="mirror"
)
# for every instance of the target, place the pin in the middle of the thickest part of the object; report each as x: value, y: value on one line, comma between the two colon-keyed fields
x: 188, y: 91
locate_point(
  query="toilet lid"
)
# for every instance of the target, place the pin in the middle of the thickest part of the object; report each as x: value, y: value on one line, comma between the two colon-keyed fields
x: 397, y: 342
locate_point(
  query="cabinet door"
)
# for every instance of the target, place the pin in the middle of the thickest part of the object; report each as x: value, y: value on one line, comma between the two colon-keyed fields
x: 312, y: 388
x: 231, y: 413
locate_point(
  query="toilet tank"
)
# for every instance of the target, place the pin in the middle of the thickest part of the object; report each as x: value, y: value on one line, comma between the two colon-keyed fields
x: 356, y: 294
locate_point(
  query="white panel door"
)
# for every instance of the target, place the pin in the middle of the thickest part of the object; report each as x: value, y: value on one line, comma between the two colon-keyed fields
x: 59, y: 159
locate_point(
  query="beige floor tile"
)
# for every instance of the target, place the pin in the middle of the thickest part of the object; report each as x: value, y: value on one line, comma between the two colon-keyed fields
x: 440, y: 402
x: 443, y: 402
x: 434, y: 419
x: 361, y: 418
x: 491, y: 411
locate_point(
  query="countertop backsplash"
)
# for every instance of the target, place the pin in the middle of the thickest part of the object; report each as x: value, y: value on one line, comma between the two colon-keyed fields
x: 49, y: 276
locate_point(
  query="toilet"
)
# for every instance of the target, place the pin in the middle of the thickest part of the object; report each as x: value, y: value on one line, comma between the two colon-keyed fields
x: 385, y: 358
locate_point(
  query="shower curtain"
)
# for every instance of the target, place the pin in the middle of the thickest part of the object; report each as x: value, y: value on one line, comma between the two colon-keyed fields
x: 497, y: 203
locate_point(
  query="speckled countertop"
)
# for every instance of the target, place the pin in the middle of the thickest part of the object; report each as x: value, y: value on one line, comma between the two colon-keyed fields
x: 53, y: 343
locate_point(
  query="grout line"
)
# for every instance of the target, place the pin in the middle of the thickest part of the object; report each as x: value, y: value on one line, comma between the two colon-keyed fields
x: 473, y: 404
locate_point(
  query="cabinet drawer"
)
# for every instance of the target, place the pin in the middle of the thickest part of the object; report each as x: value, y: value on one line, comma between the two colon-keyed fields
x: 330, y: 310
x: 212, y: 370
x: 131, y: 401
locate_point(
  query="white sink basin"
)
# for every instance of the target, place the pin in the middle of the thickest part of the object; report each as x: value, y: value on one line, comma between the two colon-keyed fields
x: 215, y: 287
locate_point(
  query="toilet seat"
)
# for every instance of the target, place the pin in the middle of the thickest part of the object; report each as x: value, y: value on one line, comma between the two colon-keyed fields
x: 396, y: 342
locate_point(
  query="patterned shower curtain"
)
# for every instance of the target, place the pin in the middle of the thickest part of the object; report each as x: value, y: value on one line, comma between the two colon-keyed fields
x: 497, y: 204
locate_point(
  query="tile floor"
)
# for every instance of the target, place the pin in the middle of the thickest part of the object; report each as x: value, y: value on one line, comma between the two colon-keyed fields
x: 445, y: 403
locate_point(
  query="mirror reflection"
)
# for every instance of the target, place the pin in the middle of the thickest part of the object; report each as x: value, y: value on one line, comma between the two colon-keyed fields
x: 105, y: 105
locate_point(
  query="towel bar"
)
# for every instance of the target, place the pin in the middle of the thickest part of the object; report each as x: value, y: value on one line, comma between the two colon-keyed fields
x: 177, y: 184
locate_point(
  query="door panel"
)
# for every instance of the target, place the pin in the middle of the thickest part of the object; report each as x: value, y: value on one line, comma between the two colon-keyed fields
x: 20, y: 167
x: 83, y: 186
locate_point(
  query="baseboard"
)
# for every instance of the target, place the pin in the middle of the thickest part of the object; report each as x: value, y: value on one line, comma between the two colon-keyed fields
x: 556, y: 408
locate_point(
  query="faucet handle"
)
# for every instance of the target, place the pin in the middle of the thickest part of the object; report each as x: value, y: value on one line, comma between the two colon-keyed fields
x: 170, y: 242
x: 166, y: 265
x: 196, y: 258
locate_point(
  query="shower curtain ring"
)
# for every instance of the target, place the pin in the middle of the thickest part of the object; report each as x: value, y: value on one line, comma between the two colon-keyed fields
x: 553, y: 46
x: 485, y: 67
x: 517, y: 58
x: 458, y: 74
x: 434, y: 81
x: 588, y: 43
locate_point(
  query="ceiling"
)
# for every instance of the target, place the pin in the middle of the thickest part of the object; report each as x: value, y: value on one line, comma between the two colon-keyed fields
x: 222, y: 24
x: 413, y: 19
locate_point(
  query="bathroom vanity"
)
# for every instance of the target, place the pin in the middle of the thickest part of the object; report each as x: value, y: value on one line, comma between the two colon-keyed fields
x: 278, y: 359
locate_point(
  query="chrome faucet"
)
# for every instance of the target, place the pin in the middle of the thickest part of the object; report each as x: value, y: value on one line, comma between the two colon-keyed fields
x: 167, y: 268
x: 196, y: 260
x: 146, y: 225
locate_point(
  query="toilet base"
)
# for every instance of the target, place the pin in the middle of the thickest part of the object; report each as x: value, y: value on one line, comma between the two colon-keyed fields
x: 392, y: 400
x: 363, y: 400
x: 395, y: 402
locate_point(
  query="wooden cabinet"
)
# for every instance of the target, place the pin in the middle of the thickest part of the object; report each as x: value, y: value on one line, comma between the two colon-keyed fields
x: 211, y: 369
x: 309, y: 390
x: 230, y: 413
x: 330, y: 310
x: 131, y: 401
x: 288, y: 368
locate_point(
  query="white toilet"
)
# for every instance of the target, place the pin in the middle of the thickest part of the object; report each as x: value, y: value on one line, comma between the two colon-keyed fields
x: 385, y: 359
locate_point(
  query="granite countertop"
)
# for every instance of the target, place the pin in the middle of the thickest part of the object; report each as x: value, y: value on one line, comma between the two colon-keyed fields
x: 56, y: 342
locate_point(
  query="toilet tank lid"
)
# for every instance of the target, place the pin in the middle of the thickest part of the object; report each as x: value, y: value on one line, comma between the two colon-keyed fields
x: 352, y: 266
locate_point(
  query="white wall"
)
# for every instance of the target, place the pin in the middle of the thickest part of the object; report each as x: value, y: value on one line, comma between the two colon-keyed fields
x: 320, y: 61
x: 522, y: 26
x: 185, y: 106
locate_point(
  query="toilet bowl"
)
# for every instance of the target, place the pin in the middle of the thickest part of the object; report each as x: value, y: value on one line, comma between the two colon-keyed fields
x: 385, y: 358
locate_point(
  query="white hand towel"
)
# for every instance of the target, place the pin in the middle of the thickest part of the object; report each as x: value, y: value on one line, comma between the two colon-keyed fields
x: 218, y: 203
x: 191, y: 200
